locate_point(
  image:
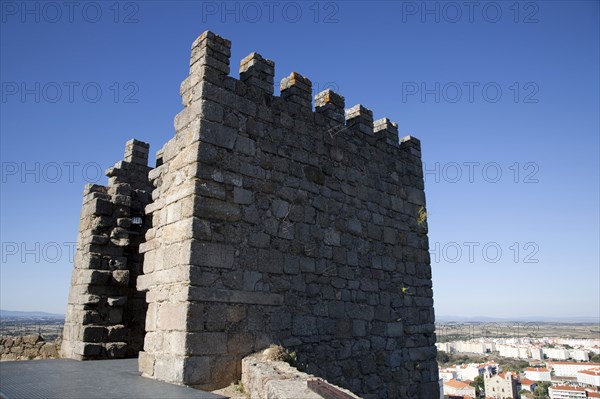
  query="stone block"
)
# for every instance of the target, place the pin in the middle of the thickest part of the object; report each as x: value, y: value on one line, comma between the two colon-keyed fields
x: 291, y: 265
x: 245, y: 145
x: 100, y: 206
x: 116, y: 350
x: 197, y: 370
x: 259, y: 240
x: 304, y: 325
x: 240, y: 343
x: 208, y: 343
x: 215, y: 133
x: 395, y: 329
x: 88, y: 350
x: 241, y: 196
x: 117, y: 333
x: 360, y: 118
x: 360, y: 311
x: 121, y: 277
x: 332, y: 237
x: 359, y: 328
x: 173, y: 316
x: 115, y: 316
x: 169, y: 368
x: 232, y: 296
x: 211, y: 254
x: 94, y: 334
x: 146, y: 364
x: 212, y: 209
x: 280, y: 209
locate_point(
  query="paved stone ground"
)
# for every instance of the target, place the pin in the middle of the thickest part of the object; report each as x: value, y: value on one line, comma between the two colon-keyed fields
x: 72, y: 379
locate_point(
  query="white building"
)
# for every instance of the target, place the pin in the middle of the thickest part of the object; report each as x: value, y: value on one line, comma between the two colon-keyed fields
x: 490, y: 367
x: 566, y: 392
x: 523, y: 352
x: 473, y: 370
x: 481, y: 346
x: 589, y: 376
x: 508, y: 351
x: 490, y: 346
x: 556, y: 353
x: 528, y: 385
x: 570, y: 369
x: 537, y: 374
x: 574, y: 342
x: 514, y: 351
x: 469, y: 371
x: 448, y: 374
x: 536, y: 353
x: 458, y: 388
x: 470, y: 347
x: 447, y: 347
x: 579, y: 354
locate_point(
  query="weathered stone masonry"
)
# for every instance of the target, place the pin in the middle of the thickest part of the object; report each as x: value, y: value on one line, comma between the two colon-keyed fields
x: 274, y: 223
x: 105, y: 312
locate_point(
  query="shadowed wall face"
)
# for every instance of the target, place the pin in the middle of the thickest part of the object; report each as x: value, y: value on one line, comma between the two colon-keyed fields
x: 274, y: 223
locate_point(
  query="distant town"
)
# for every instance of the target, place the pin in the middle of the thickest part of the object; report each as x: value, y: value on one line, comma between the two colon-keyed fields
x: 13, y: 324
x: 495, y: 360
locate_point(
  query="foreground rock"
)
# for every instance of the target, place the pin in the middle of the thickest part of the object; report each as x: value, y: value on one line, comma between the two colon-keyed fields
x: 275, y: 379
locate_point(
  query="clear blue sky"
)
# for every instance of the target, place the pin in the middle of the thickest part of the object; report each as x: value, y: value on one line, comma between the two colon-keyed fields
x: 393, y: 57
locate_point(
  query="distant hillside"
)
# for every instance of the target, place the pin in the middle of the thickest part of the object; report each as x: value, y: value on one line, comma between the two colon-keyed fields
x: 539, y: 319
x: 17, y: 313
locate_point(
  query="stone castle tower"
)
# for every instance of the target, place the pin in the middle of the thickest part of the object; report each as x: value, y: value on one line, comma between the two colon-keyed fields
x: 264, y: 221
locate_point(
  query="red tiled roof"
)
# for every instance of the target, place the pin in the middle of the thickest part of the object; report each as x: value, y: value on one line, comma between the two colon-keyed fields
x: 457, y: 384
x: 567, y: 388
x: 594, y: 372
x: 503, y: 375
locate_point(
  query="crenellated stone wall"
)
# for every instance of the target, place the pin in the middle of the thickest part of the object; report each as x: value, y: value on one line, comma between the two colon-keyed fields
x: 269, y: 222
x: 274, y: 223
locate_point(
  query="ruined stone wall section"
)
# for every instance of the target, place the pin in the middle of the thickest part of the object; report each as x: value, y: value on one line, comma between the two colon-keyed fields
x: 274, y: 223
x: 270, y: 379
x: 105, y: 311
x: 28, y: 347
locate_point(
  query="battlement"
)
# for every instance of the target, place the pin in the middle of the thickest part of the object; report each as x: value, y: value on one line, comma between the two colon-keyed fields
x: 210, y: 61
x: 136, y: 152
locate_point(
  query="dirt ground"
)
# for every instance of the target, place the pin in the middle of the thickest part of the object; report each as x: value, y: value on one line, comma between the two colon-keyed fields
x: 230, y: 392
